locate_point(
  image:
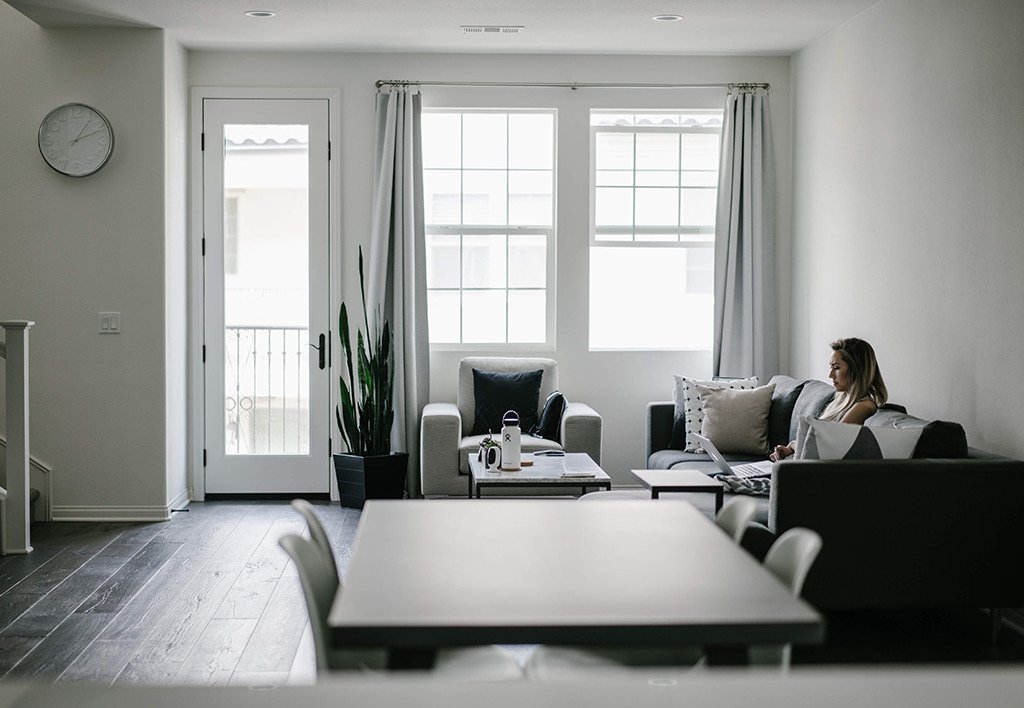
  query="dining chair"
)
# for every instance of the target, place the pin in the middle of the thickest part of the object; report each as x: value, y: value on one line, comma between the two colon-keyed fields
x: 789, y: 559
x: 318, y: 575
x: 317, y: 534
x: 735, y: 515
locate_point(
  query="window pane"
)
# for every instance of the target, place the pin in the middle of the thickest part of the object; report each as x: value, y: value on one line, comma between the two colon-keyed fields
x: 700, y: 151
x: 700, y: 271
x: 657, y: 179
x: 527, y: 261
x: 443, y: 313
x: 485, y: 197
x: 483, y: 316
x: 699, y: 178
x: 531, y: 141
x: 527, y: 316
x: 614, y: 207
x: 483, y: 261
x: 657, y: 119
x: 699, y: 207
x: 443, y: 262
x: 444, y: 146
x: 635, y: 291
x: 657, y: 151
x: 657, y: 207
x: 442, y: 197
x: 614, y: 151
x: 613, y: 237
x: 530, y: 198
x: 485, y: 140
x: 661, y: 238
x: 615, y: 178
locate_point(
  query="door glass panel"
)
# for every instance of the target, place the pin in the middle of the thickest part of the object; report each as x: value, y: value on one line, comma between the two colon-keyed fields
x: 266, y: 289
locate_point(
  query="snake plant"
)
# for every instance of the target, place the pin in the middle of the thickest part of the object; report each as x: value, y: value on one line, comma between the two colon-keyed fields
x: 365, y: 422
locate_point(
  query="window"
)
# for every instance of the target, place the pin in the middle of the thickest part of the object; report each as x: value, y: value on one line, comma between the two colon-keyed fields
x: 488, y: 185
x: 654, y: 178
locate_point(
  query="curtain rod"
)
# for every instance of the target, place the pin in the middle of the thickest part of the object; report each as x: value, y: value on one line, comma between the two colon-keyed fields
x: 573, y: 86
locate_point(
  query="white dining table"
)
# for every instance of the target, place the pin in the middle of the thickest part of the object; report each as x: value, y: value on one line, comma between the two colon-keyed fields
x: 426, y: 574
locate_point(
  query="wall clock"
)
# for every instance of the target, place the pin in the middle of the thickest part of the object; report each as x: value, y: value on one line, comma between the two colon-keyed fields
x: 75, y: 139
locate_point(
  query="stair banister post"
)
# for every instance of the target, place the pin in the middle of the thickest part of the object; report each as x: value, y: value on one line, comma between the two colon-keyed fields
x: 16, y: 508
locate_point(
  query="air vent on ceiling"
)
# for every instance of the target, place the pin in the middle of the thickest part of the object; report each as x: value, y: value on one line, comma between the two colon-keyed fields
x: 492, y: 29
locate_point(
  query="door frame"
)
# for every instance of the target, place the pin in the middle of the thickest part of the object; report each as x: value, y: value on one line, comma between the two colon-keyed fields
x: 196, y: 473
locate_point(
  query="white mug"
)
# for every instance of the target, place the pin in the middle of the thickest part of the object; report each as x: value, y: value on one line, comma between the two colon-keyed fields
x: 492, y: 458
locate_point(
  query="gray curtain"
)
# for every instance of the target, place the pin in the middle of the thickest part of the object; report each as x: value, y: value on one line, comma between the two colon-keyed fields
x: 746, y: 307
x: 396, y: 272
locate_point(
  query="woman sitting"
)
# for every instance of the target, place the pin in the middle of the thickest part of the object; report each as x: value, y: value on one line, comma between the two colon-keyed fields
x: 860, y: 389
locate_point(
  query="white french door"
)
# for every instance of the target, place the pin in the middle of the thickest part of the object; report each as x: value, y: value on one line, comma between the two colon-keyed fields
x: 266, y: 226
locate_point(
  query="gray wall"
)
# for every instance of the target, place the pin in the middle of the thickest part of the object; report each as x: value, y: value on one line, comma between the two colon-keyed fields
x: 908, y: 225
x: 72, y: 248
x: 617, y: 384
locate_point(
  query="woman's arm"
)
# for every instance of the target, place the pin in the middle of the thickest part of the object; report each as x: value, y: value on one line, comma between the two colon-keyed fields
x: 861, y: 411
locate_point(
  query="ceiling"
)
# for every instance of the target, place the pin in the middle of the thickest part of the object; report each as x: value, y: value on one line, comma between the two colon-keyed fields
x: 551, y: 26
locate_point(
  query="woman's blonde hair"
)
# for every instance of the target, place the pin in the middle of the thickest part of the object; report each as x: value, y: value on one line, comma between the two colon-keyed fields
x: 865, y: 378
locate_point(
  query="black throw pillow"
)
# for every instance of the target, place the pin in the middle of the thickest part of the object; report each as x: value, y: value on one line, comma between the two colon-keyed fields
x: 550, y: 418
x: 496, y: 393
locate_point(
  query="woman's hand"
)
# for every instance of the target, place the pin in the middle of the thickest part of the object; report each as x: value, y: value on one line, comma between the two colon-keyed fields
x: 781, y: 452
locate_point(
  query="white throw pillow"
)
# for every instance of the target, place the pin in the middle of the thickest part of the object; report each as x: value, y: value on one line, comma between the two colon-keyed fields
x: 736, y: 420
x: 825, y: 440
x: 689, y: 406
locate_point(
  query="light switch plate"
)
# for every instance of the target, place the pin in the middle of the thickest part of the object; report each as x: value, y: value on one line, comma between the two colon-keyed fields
x: 110, y: 323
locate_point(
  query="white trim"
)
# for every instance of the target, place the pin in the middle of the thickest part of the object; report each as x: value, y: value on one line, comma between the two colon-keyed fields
x: 111, y: 513
x: 47, y: 472
x: 196, y: 476
x: 179, y: 502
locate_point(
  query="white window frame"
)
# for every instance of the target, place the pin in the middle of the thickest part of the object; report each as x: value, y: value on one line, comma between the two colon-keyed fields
x: 507, y: 230
x: 699, y: 237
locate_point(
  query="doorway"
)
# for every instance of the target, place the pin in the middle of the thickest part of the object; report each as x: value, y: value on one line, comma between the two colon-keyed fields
x: 265, y: 215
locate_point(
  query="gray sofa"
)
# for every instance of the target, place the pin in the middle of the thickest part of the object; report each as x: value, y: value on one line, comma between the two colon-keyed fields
x: 941, y: 530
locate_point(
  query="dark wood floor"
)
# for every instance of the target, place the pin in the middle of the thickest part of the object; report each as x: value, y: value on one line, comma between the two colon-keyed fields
x: 207, y: 598
x: 210, y: 598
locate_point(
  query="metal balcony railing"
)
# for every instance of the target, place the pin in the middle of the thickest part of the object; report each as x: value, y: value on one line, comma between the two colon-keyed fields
x: 266, y: 396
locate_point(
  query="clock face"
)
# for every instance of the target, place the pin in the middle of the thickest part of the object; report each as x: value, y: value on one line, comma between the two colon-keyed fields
x: 75, y: 140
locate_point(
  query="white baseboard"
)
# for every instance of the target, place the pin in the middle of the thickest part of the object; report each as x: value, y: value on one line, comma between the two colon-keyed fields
x: 179, y: 502
x: 111, y: 513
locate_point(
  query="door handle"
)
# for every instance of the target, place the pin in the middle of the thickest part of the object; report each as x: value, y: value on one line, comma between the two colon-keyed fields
x: 322, y: 349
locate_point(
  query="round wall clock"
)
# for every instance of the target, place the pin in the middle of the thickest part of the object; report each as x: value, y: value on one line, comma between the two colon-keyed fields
x: 75, y: 139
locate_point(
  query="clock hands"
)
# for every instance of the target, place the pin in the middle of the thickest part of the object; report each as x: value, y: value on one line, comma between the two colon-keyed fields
x: 86, y: 135
x: 77, y: 137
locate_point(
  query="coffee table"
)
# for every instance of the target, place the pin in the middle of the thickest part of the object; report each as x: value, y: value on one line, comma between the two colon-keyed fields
x: 546, y: 471
x: 681, y: 480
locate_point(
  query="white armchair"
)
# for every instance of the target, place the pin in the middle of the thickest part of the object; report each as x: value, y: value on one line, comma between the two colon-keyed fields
x: 445, y: 444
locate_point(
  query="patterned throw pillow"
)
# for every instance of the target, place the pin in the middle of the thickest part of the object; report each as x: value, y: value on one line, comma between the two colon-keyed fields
x: 825, y: 440
x: 689, y: 410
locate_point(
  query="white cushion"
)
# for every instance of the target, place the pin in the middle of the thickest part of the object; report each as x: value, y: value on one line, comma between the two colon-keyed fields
x: 690, y: 408
x: 825, y: 440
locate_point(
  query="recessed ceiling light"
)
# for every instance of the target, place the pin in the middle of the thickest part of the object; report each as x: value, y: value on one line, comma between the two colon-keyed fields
x: 259, y: 13
x: 667, y: 18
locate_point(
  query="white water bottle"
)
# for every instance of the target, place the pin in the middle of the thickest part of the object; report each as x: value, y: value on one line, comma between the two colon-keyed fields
x: 511, y: 445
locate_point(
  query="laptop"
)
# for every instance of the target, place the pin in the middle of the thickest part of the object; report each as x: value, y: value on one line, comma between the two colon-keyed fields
x: 749, y: 469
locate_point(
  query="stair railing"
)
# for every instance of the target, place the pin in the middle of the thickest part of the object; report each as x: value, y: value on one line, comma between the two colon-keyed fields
x: 15, y: 496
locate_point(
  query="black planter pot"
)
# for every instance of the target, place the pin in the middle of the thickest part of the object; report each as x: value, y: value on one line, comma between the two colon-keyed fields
x: 373, y: 477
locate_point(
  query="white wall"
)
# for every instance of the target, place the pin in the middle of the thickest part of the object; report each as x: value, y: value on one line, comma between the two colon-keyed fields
x: 618, y: 385
x: 176, y: 270
x: 908, y: 184
x: 70, y: 248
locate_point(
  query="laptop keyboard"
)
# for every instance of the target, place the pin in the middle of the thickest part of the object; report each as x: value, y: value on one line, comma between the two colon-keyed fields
x: 752, y: 469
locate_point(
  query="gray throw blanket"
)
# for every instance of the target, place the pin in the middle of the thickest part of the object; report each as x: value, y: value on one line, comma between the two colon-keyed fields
x: 757, y: 486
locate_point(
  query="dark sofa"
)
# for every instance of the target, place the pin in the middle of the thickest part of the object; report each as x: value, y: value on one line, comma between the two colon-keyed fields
x: 940, y: 530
